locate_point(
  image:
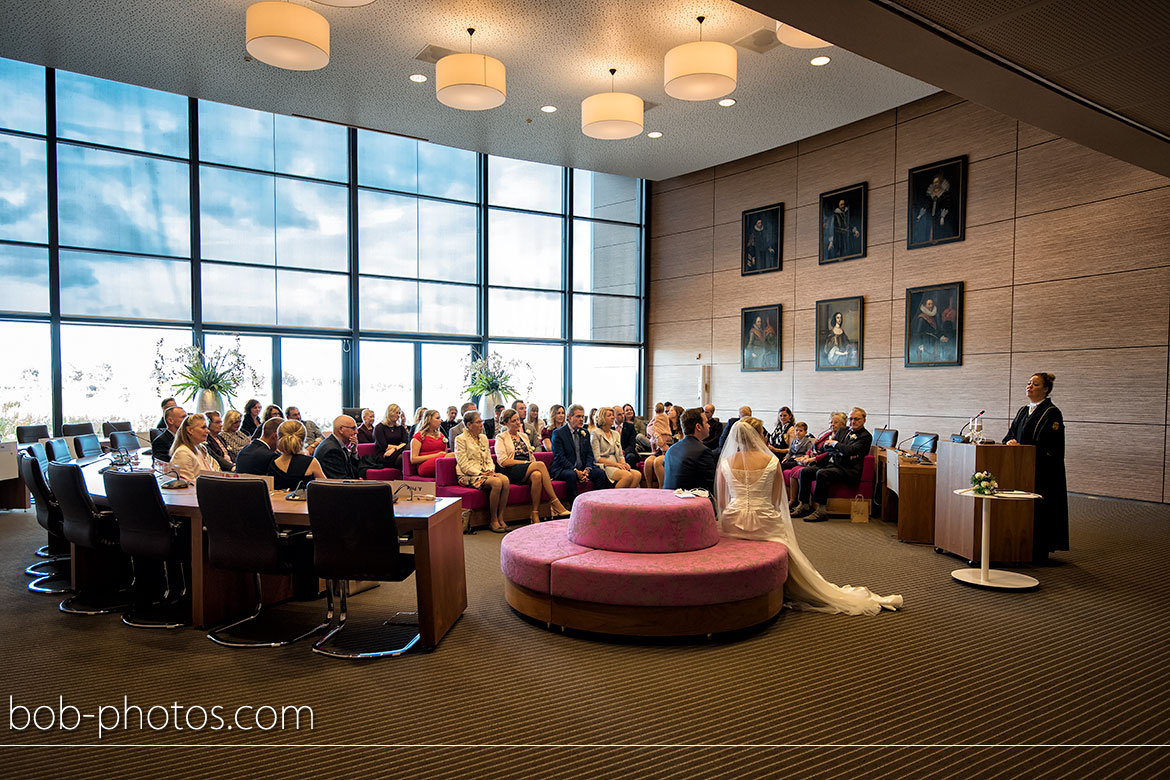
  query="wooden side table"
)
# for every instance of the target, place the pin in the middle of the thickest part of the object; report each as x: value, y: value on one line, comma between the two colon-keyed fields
x: 985, y: 576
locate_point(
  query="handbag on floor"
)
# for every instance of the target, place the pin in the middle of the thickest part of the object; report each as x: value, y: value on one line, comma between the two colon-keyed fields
x: 859, y: 509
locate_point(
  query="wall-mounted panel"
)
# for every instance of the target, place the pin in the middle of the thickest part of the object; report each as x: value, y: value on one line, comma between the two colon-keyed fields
x: 820, y: 392
x: 678, y: 343
x: 869, y: 158
x: 1031, y: 136
x: 681, y: 254
x: 966, y: 128
x: 868, y: 276
x: 850, y: 131
x: 1090, y: 383
x: 686, y: 298
x: 983, y: 260
x: 754, y: 188
x: 678, y: 211
x: 927, y: 105
x: 660, y: 188
x: 756, y: 160
x: 1061, y: 174
x: 732, y: 292
x: 1142, y: 476
x: 980, y: 383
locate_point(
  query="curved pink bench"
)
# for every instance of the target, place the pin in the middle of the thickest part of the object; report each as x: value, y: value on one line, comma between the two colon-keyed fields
x: 644, y: 563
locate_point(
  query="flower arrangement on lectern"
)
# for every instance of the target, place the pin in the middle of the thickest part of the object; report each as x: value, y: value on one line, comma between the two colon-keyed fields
x: 983, y: 483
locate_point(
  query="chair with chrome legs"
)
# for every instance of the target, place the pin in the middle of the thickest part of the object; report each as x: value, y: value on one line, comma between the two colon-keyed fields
x: 86, y: 445
x: 148, y: 534
x: 94, y: 534
x: 355, y: 537
x: 52, y: 575
x: 58, y: 450
x: 242, y: 535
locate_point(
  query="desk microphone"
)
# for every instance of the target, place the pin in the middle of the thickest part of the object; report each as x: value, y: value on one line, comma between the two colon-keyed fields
x: 970, y: 422
x: 176, y: 483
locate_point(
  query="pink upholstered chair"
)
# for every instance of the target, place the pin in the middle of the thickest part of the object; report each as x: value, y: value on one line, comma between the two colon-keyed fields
x: 381, y: 475
x: 841, y: 493
x: 408, y: 472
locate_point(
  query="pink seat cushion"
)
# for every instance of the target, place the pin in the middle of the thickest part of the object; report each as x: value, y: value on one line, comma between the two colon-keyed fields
x: 732, y: 570
x: 366, y: 449
x: 384, y: 475
x: 520, y: 494
x: 863, y: 487
x: 527, y: 554
x: 642, y: 521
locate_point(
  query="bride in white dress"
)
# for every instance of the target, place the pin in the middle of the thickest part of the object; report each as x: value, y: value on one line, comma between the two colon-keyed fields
x: 753, y: 505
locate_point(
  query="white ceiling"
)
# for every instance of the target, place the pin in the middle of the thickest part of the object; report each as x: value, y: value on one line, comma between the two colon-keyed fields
x: 556, y: 53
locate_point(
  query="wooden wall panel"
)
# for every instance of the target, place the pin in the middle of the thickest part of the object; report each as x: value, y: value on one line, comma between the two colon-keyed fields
x: 725, y: 340
x: 991, y: 194
x: 848, y: 132
x: 965, y: 128
x: 868, y: 276
x: 1115, y: 310
x: 1094, y: 238
x: 681, y: 254
x: 727, y: 243
x: 876, y: 343
x: 827, y: 391
x: 756, y: 160
x: 686, y: 298
x: 756, y: 187
x: 683, y: 209
x: 980, y: 383
x: 907, y: 425
x: 927, y: 105
x: 808, y: 226
x: 1090, y: 382
x: 659, y: 188
x: 983, y: 260
x: 1140, y: 476
x: 1165, y: 470
x: 1031, y: 136
x: 880, y: 221
x: 869, y: 159
x: 677, y: 343
x: 732, y: 292
x: 1061, y: 173
x: 757, y: 389
x: 987, y: 323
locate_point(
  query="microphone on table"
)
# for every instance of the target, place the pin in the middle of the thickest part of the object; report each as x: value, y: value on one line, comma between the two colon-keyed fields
x: 967, y: 425
x: 177, y: 482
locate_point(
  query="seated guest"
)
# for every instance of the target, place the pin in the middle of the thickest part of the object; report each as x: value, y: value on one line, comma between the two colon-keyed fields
x: 628, y: 435
x: 556, y: 420
x: 530, y: 430
x: 160, y: 448
x: 660, y: 436
x: 292, y: 468
x: 451, y: 421
x: 475, y: 469
x: 365, y: 431
x: 337, y: 453
x: 714, y: 426
x: 428, y: 445
x: 591, y: 421
x: 800, y: 446
x: 816, y: 451
x: 252, y: 419
x: 846, y: 455
x: 167, y: 403
x: 231, y: 435
x: 459, y: 427
x: 490, y: 427
x: 216, y: 445
x: 782, y: 434
x: 419, y: 415
x: 641, y: 440
x: 313, y: 435
x: 536, y: 422
x: 391, y: 437
x: 254, y: 458
x: 271, y: 412
x: 573, y: 454
x: 690, y: 464
x: 744, y: 411
x: 189, y: 456
x: 514, y: 454
x: 673, y: 413
x: 607, y: 451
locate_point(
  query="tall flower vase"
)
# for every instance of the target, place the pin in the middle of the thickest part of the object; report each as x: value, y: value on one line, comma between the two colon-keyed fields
x: 209, y: 401
x: 488, y: 404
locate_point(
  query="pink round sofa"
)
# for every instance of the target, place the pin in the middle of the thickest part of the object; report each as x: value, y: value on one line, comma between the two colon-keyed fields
x: 643, y: 563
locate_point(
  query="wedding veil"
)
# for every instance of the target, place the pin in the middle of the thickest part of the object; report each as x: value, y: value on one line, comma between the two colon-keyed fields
x: 745, y: 440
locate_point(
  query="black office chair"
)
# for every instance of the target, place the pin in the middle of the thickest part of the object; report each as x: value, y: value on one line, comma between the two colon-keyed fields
x: 38, y: 452
x: 124, y: 440
x: 58, y: 450
x: 84, y: 525
x: 353, y: 411
x: 76, y: 429
x: 29, y: 434
x: 242, y: 535
x: 885, y: 437
x: 51, y: 575
x: 110, y: 426
x: 924, y: 442
x: 355, y: 537
x: 148, y: 533
x: 87, y: 445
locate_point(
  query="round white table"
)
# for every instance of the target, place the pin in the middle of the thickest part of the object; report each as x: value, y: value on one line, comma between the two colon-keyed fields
x: 985, y: 576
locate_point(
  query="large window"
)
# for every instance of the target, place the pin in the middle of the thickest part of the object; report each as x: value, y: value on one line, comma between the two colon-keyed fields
x: 442, y: 375
x: 387, y: 376
x: 604, y: 376
x: 311, y: 378
x: 25, y: 383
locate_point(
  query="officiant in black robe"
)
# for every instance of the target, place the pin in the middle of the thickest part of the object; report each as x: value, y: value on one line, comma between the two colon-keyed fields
x: 1040, y: 423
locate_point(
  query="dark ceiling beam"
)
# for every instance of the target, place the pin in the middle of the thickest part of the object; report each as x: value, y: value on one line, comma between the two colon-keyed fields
x: 879, y: 33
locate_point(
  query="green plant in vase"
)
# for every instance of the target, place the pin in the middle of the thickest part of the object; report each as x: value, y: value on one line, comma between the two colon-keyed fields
x: 208, y: 379
x: 490, y: 379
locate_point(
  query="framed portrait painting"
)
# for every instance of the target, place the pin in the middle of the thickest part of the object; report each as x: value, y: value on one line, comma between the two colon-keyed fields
x: 843, y: 222
x: 934, y: 325
x: 760, y: 338
x: 937, y: 209
x: 763, y: 238
x: 840, y: 333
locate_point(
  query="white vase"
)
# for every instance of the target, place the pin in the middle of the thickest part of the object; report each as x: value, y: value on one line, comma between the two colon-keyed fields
x: 208, y: 401
x: 488, y: 404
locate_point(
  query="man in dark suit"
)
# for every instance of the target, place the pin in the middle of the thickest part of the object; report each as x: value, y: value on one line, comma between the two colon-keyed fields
x: 337, y: 454
x: 689, y: 463
x: 846, y: 456
x: 714, y: 428
x: 573, y: 454
x: 744, y: 411
x: 256, y: 457
x: 160, y: 448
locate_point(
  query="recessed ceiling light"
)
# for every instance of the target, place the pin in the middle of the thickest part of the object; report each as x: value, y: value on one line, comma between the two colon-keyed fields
x: 548, y: 109
x: 726, y: 102
x: 654, y: 134
x: 818, y: 61
x: 418, y: 78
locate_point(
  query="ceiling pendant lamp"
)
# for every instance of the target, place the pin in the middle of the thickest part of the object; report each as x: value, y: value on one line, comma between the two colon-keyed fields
x: 470, y: 82
x: 287, y: 35
x: 611, y: 115
x: 798, y: 39
x: 700, y: 70
x: 345, y: 3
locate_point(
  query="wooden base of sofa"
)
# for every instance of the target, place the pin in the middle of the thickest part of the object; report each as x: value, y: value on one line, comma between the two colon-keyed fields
x: 643, y: 621
x: 841, y: 506
x: 513, y: 513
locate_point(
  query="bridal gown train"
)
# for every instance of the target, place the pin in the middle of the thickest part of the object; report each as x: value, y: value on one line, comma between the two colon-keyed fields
x: 750, y: 514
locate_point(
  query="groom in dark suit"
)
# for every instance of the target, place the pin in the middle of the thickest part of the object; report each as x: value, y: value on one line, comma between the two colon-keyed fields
x: 689, y: 463
x: 573, y: 454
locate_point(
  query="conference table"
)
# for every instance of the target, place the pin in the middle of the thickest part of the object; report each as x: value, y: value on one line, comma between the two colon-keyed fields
x: 219, y: 595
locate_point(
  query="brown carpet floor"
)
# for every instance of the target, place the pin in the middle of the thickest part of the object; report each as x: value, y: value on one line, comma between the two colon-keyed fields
x: 1070, y: 680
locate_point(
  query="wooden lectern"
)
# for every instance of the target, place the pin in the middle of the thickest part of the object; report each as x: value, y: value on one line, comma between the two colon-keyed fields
x: 957, y: 520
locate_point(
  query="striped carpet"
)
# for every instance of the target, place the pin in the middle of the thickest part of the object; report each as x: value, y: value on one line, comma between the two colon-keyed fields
x: 963, y: 682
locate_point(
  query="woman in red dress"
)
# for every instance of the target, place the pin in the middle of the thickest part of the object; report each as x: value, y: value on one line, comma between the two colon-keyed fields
x: 428, y: 445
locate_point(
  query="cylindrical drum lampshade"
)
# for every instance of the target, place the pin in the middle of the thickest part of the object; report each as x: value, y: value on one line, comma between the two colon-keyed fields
x: 472, y: 82
x: 287, y: 35
x: 611, y: 115
x: 798, y: 39
x: 345, y: 3
x: 701, y: 70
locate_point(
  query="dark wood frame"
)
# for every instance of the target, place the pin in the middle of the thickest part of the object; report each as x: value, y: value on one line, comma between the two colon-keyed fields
x: 918, y: 179
x: 775, y: 211
x: 956, y: 288
x: 776, y: 310
x: 857, y: 192
x: 821, y: 319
